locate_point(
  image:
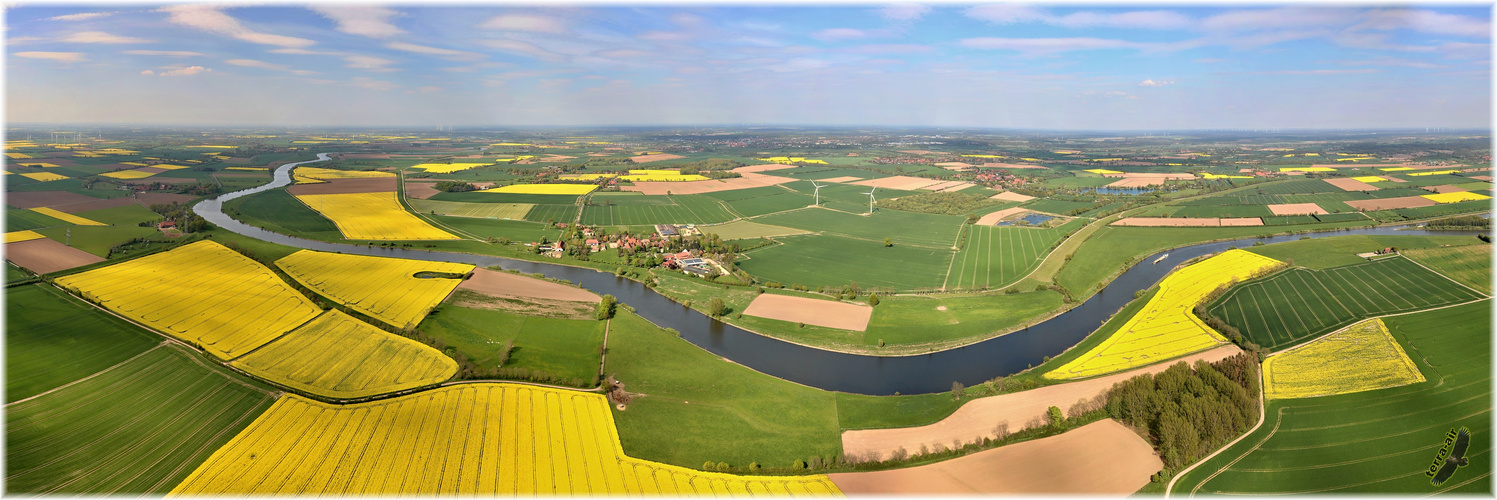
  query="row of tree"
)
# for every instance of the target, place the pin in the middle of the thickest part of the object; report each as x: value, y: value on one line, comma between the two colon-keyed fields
x: 1188, y: 411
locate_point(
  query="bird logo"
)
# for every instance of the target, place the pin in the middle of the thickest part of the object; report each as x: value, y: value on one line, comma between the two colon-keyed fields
x: 1452, y: 456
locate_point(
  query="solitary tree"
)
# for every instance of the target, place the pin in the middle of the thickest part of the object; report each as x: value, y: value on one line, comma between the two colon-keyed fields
x: 606, y: 307
x: 717, y: 307
x: 957, y: 390
x: 1056, y: 417
x: 873, y: 299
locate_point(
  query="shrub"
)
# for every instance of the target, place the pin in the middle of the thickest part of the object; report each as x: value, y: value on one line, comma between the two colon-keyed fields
x: 708, y: 466
x: 799, y: 464
x: 873, y: 299
x: 722, y: 467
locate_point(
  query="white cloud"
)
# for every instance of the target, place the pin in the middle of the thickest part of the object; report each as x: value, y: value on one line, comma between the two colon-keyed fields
x: 369, y: 63
x: 187, y: 71
x: 436, y: 51
x: 1426, y: 21
x: 623, y: 53
x: 1142, y: 19
x: 892, y: 48
x: 665, y: 36
x: 1391, y: 61
x: 1287, y: 17
x: 82, y: 16
x: 373, y: 22
x: 1049, y: 45
x: 372, y: 84
x: 521, y: 48
x: 208, y: 18
x: 830, y: 34
x: 686, y: 20
x: 904, y: 11
x: 102, y: 37
x: 1006, y: 13
x: 304, y: 52
x: 251, y: 63
x: 168, y: 53
x: 1318, y: 72
x: 67, y: 57
x: 524, y: 22
x: 1152, y: 83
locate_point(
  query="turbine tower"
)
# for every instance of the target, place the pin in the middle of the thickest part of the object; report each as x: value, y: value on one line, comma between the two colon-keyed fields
x: 870, y: 198
x: 818, y: 192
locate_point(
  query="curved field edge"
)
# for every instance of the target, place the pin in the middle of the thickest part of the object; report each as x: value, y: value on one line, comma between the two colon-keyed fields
x: 337, y: 356
x: 1375, y: 441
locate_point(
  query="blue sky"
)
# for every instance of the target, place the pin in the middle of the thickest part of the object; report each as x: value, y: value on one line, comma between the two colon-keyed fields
x: 1116, y: 66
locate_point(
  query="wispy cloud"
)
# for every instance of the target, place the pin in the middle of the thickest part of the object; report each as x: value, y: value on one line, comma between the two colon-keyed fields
x: 81, y: 16
x: 524, y: 22
x: 178, y: 71
x: 67, y: 57
x: 1155, y: 83
x: 208, y: 18
x: 904, y: 12
x: 1317, y: 72
x: 436, y: 51
x: 521, y: 48
x: 251, y: 63
x: 373, y: 22
x: 1014, y: 13
x: 1051, y: 45
x: 369, y: 63
x: 167, y: 53
x: 102, y: 37
x: 372, y: 84
x: 1391, y: 62
x: 840, y: 34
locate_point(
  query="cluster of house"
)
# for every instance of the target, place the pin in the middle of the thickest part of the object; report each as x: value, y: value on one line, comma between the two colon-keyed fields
x: 596, y: 242
x: 990, y: 177
x: 684, y: 261
x: 668, y: 230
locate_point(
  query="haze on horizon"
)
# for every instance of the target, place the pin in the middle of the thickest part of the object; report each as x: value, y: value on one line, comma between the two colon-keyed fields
x: 946, y: 65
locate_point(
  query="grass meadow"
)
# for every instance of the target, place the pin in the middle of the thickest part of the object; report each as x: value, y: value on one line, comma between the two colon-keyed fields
x: 903, y: 228
x: 615, y: 209
x: 822, y: 260
x: 52, y: 339
x: 995, y: 256
x: 566, y: 348
x: 1471, y: 265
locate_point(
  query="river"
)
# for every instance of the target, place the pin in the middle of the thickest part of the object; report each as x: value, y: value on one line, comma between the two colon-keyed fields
x: 833, y: 371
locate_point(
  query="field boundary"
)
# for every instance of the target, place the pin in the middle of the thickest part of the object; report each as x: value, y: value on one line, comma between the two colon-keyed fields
x: 1442, y: 275
x: 100, y: 372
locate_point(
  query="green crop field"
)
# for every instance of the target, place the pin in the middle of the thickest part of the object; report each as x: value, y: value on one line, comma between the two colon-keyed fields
x: 833, y: 260
x: 97, y: 240
x: 20, y: 219
x: 768, y: 200
x: 552, y: 212
x: 1377, y: 441
x: 128, y: 215
x: 478, y: 197
x: 1060, y: 207
x: 278, y: 211
x: 845, y: 197
x: 634, y: 209
x: 994, y: 256
x: 1471, y: 264
x: 1224, y: 211
x: 461, y: 209
x: 904, y: 228
x: 1336, y: 251
x: 744, y: 194
x: 1297, y: 305
x: 139, y: 427
x: 52, y: 339
x: 566, y: 348
x: 742, y: 229
x: 517, y: 230
x: 1301, y: 186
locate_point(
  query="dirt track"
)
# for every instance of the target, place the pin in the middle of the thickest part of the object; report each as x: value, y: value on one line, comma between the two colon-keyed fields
x: 827, y: 313
x: 341, y: 186
x: 45, y: 255
x: 503, y: 284
x: 1100, y: 458
x: 979, y: 418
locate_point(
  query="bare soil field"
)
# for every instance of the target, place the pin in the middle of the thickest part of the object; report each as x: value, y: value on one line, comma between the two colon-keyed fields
x: 1129, y: 182
x: 161, y: 198
x: 980, y: 417
x: 659, y: 157
x: 34, y: 199
x: 46, y: 255
x: 1351, y: 164
x: 1100, y: 458
x: 1011, y: 165
x: 827, y: 313
x: 1347, y: 184
x: 762, y: 168
x: 841, y: 179
x: 95, y: 204
x: 1182, y: 222
x: 1391, y: 203
x: 1444, y: 188
x: 502, y: 284
x: 1487, y: 178
x: 946, y: 185
x: 341, y: 186
x: 899, y: 182
x: 957, y: 164
x: 956, y: 186
x: 1296, y: 209
x: 709, y: 186
x: 1392, y: 178
x: 1011, y: 196
x: 420, y: 190
x: 993, y: 218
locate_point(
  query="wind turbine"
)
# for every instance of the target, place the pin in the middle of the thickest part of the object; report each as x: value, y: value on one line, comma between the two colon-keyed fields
x: 818, y: 192
x: 870, y: 198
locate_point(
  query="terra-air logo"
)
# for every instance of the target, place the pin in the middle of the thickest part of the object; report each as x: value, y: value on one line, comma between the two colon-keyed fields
x: 1452, y: 456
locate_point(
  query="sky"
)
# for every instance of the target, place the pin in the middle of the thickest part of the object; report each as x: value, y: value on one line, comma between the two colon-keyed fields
x: 1011, y: 66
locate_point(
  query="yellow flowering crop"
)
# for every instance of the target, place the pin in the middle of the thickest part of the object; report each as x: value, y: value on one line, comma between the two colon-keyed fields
x: 480, y: 439
x: 1216, y: 176
x: 990, y: 156
x: 1165, y: 328
x: 372, y: 216
x: 1307, y: 169
x: 338, y: 356
x: 134, y: 163
x: 382, y: 287
x: 1369, y: 179
x: 203, y: 293
x: 1103, y: 171
x: 1456, y: 197
x: 1360, y: 358
x: 66, y: 217
x: 587, y: 177
x: 39, y: 165
x: 15, y: 236
x: 17, y: 156
x: 447, y: 168
x: 44, y: 176
x: 1435, y: 172
x: 792, y: 159
x: 128, y: 174
x: 1395, y: 169
x: 543, y: 189
x: 173, y: 167
x: 330, y: 174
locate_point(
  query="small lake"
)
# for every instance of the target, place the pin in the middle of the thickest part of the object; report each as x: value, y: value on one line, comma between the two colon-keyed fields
x: 1033, y: 219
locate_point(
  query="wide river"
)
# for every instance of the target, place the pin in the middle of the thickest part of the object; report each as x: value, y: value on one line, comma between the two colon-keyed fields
x: 833, y: 371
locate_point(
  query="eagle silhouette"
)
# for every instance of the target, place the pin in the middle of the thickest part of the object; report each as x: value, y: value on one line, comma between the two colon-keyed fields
x: 1456, y: 459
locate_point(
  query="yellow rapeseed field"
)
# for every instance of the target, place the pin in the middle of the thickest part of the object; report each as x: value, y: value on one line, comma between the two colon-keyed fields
x: 1456, y: 197
x: 1218, y: 176
x: 372, y: 216
x: 39, y: 165
x: 543, y: 189
x: 17, y: 156
x: 1307, y: 169
x: 203, y: 293
x: 66, y: 217
x: 587, y: 177
x: 128, y: 174
x: 792, y: 159
x: 1361, y: 357
x: 172, y: 167
x: 338, y: 356
x: 480, y: 439
x: 1165, y: 328
x: 1103, y: 171
x: 1395, y: 169
x: 447, y: 168
x: 1369, y: 179
x: 326, y: 174
x: 15, y: 236
x: 1432, y: 172
x: 382, y: 287
x: 44, y: 176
